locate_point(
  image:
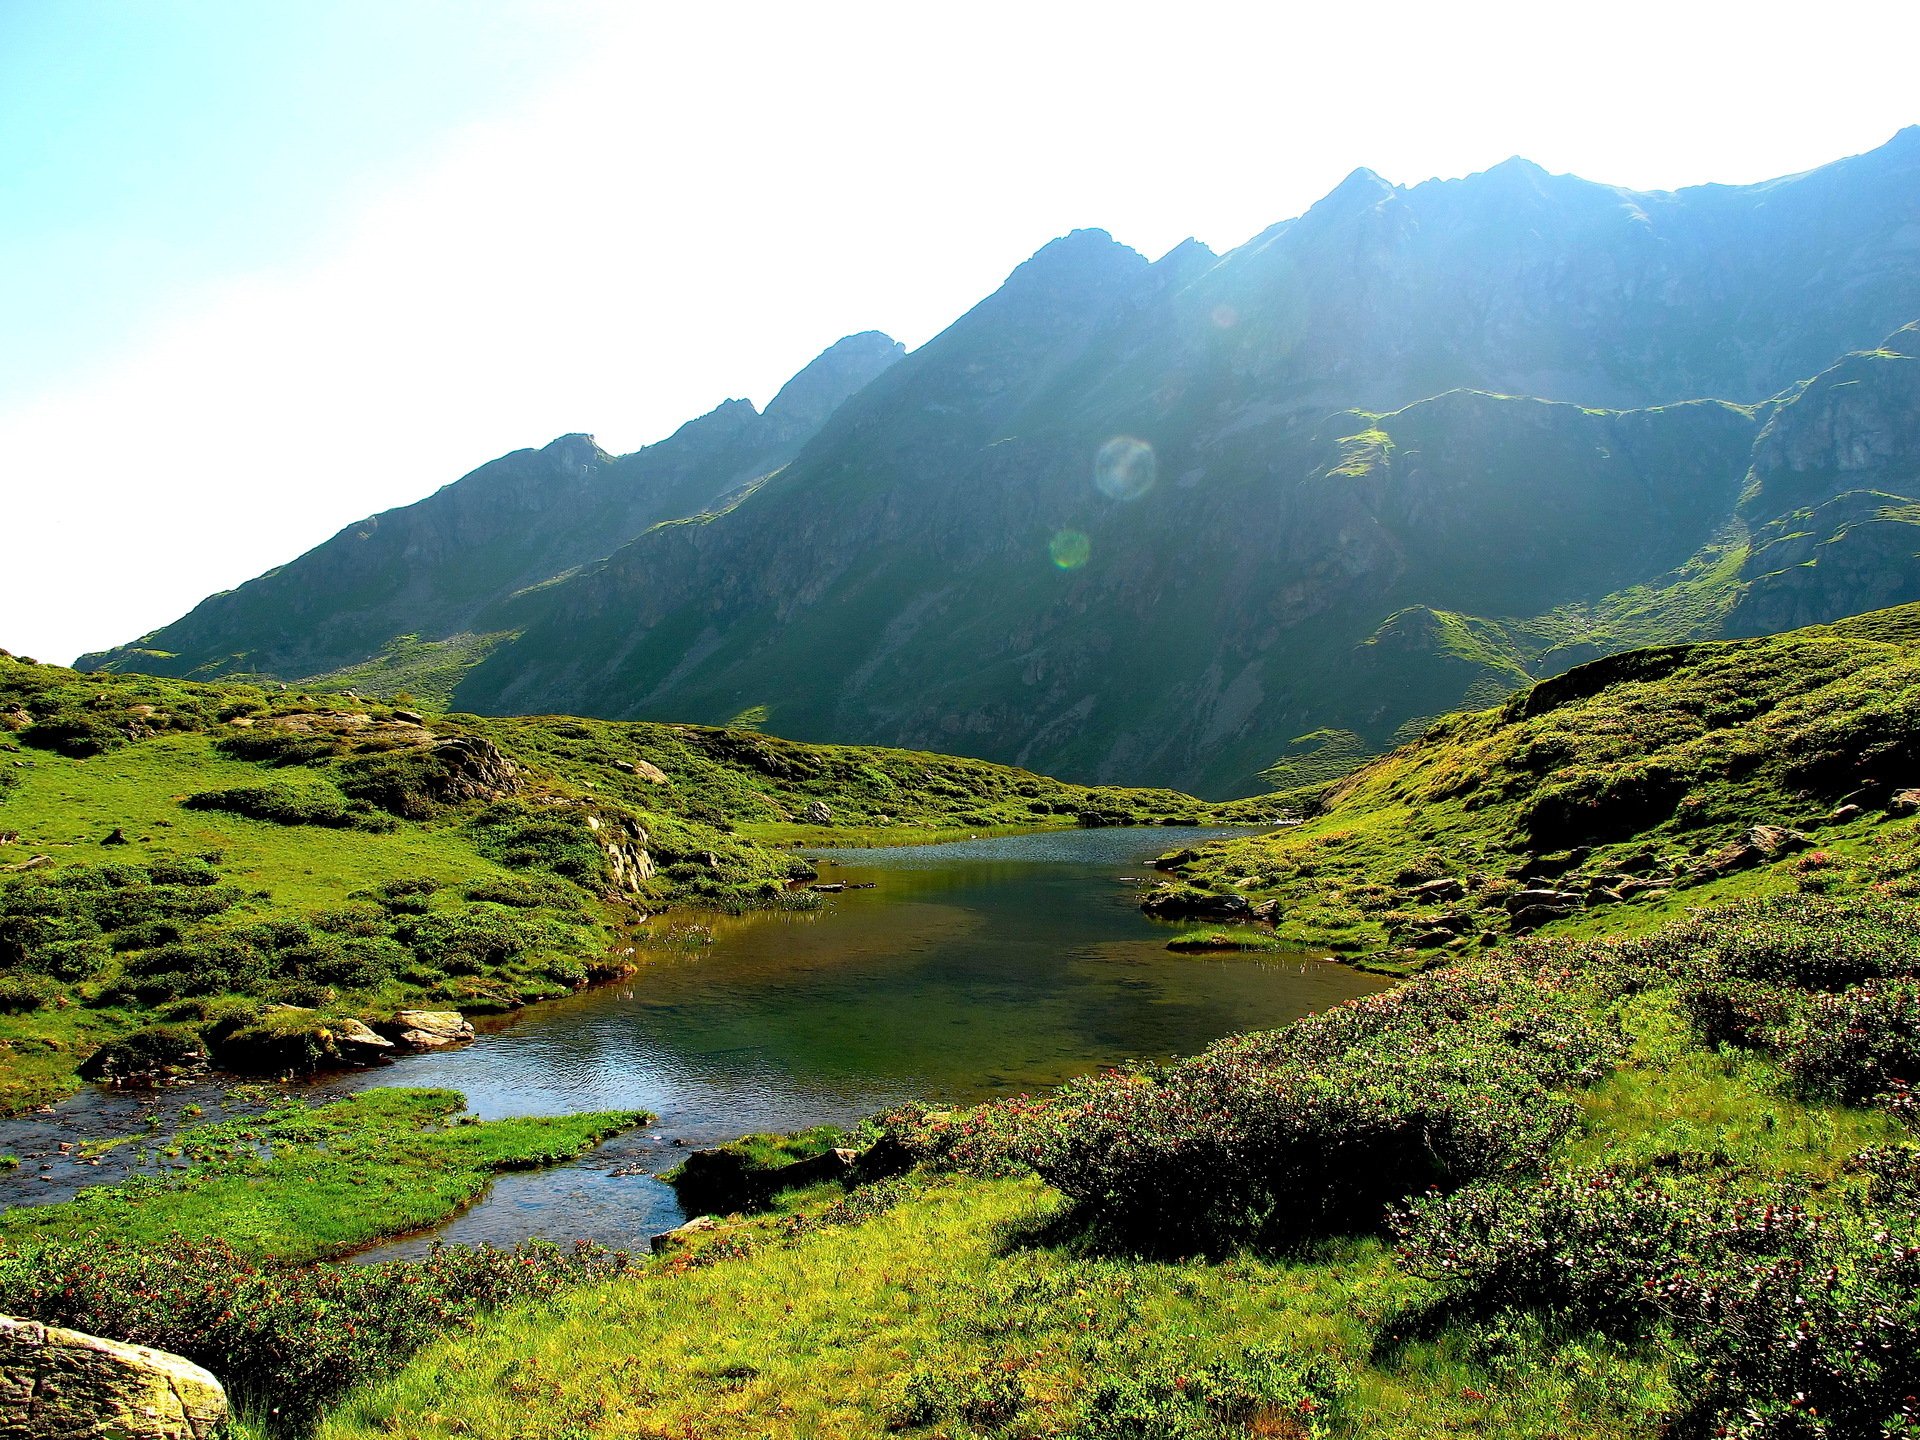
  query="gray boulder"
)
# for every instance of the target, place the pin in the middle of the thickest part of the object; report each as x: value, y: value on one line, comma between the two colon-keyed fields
x: 427, y: 1029
x: 62, y: 1385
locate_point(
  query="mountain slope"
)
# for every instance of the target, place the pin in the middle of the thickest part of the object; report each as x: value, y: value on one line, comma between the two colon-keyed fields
x: 433, y: 570
x: 1177, y: 519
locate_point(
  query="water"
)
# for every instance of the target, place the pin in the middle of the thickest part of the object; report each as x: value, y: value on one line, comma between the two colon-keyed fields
x: 967, y: 971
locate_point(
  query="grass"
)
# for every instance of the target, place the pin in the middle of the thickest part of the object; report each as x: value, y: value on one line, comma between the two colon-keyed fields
x: 1637, y: 776
x: 950, y: 1299
x: 384, y: 873
x: 301, y: 1183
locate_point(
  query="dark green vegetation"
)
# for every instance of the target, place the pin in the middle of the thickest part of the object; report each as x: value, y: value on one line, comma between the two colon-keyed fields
x: 1608, y: 798
x: 1407, y: 451
x: 224, y: 873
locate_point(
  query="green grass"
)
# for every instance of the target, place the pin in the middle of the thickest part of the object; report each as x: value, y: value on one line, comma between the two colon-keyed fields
x: 951, y: 1297
x: 1643, y: 768
x: 383, y: 887
x: 300, y: 1183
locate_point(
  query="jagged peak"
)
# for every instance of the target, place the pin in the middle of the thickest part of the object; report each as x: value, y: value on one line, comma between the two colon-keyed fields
x: 1078, y: 252
x: 831, y: 377
x: 1187, y: 252
x: 577, y: 446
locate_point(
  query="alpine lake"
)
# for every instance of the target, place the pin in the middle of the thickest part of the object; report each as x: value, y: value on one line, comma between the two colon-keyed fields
x: 947, y: 973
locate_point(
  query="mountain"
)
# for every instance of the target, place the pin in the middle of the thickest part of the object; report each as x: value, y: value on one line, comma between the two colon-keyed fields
x: 416, y: 582
x: 1177, y: 520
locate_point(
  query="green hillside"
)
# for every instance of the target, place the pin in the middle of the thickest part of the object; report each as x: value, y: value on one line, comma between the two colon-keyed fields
x: 1646, y: 1172
x: 193, y: 871
x: 1617, y: 794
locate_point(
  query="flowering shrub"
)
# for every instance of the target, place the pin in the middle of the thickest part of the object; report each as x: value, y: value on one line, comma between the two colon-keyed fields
x: 1792, y: 1324
x: 1272, y: 1137
x: 283, y: 1341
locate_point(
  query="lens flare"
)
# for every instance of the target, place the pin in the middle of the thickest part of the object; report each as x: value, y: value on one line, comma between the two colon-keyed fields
x: 1069, y: 549
x: 1125, y: 468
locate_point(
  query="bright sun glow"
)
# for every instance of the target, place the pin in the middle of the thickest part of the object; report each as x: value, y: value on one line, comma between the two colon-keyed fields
x: 667, y: 207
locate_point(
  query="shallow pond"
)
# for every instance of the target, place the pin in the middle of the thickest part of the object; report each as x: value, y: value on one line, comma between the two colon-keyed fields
x: 966, y: 971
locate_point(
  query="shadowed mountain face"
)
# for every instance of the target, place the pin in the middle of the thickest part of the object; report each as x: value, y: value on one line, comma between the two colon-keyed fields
x: 1171, y: 521
x: 430, y: 571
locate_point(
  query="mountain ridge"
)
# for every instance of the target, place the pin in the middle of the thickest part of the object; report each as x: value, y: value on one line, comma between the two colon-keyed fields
x: 1529, y: 406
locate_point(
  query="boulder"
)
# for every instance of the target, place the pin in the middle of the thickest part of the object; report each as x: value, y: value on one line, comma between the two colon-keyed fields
x: 1559, y: 901
x: 680, y: 1234
x: 1842, y: 814
x: 426, y: 1029
x: 1773, y: 841
x: 818, y: 813
x: 1437, y: 891
x: 1183, y: 902
x: 59, y: 1384
x: 1904, y: 802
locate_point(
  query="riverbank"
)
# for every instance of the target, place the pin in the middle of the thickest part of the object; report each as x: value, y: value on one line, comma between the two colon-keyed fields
x: 224, y: 875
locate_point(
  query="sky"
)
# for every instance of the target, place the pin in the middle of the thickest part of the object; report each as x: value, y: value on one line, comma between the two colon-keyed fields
x: 266, y: 269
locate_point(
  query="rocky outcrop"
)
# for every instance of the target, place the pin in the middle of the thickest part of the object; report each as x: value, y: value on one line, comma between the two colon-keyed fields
x: 295, y: 1040
x: 624, y: 842
x: 1184, y: 902
x: 59, y: 1384
x: 418, y: 1030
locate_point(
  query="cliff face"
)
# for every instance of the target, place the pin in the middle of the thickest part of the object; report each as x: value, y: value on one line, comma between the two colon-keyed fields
x: 1132, y: 520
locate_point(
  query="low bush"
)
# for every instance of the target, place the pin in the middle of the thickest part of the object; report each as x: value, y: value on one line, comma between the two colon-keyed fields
x: 1789, y: 1325
x: 1278, y: 1137
x: 285, y: 1342
x: 20, y: 993
x: 283, y: 804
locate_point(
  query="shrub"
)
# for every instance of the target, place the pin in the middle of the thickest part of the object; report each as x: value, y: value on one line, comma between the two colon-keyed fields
x: 1276, y: 1137
x: 26, y: 992
x: 1791, y: 1324
x: 284, y: 1341
x: 283, y: 804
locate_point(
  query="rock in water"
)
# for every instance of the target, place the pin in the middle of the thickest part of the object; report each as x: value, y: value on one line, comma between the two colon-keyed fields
x: 427, y: 1029
x: 61, y: 1385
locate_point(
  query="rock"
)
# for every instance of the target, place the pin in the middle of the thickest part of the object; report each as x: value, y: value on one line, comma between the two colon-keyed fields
x: 1183, y: 902
x: 59, y: 1384
x: 1267, y: 912
x: 1844, y: 813
x: 1904, y: 802
x: 1559, y: 901
x: 680, y: 1234
x: 412, y: 717
x: 834, y: 888
x: 9, y: 837
x: 1432, y: 939
x: 1641, y: 886
x: 116, y: 836
x: 1436, y: 891
x: 648, y: 772
x: 15, y: 720
x: 350, y: 1034
x: 1532, y: 917
x: 1776, y: 840
x: 818, y: 813
x: 37, y: 862
x: 427, y: 1029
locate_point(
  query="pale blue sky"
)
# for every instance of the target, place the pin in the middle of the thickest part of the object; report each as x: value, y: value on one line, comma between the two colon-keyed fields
x: 271, y: 265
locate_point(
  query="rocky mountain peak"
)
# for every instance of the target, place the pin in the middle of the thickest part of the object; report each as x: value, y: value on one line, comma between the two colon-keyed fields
x: 838, y: 372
